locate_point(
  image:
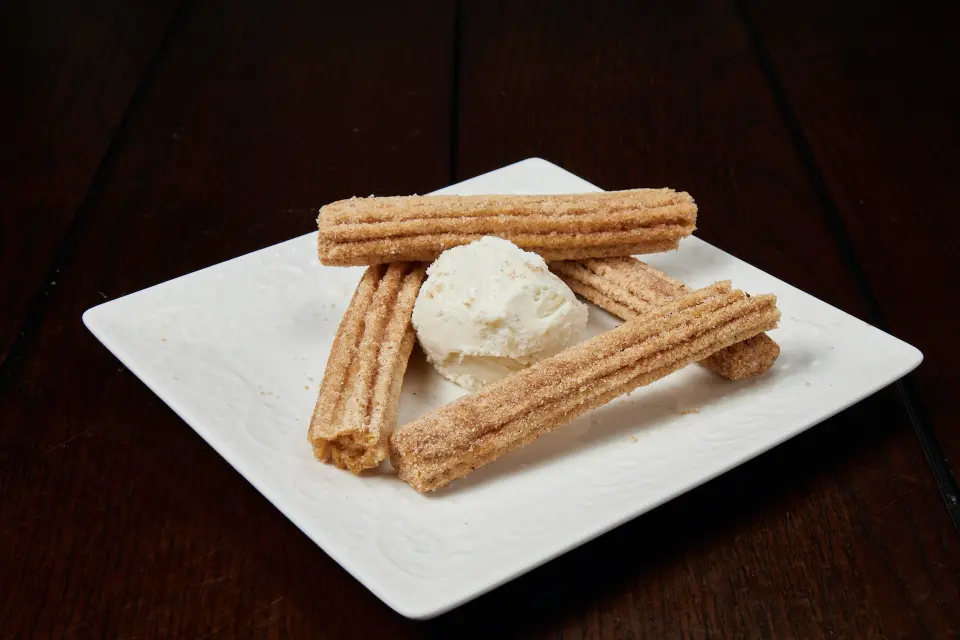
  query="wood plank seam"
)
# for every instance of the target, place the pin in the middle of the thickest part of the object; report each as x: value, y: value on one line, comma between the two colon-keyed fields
x: 16, y: 353
x: 932, y: 449
x: 455, y: 96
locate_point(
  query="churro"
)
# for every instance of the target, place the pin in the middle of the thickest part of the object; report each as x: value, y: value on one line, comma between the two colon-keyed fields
x: 630, y: 289
x: 357, y: 405
x: 452, y: 441
x: 363, y: 231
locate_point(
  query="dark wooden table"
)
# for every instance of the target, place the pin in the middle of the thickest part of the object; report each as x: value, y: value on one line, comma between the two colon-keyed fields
x: 145, y: 140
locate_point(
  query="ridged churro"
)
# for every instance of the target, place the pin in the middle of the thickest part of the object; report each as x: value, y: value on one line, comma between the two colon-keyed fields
x: 357, y: 406
x: 452, y: 441
x: 630, y: 289
x: 362, y: 231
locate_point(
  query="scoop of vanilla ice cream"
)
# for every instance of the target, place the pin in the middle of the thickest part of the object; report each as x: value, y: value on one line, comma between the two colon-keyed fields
x: 489, y: 308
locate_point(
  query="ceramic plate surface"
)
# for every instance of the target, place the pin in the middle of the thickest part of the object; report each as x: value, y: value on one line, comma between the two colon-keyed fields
x: 238, y: 351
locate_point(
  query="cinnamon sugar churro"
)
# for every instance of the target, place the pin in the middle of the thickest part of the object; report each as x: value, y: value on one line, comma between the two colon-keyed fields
x: 357, y: 406
x: 630, y: 289
x: 363, y: 231
x: 452, y: 441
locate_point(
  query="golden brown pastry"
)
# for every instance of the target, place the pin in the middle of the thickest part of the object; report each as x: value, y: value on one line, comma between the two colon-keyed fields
x: 628, y: 288
x: 363, y: 231
x: 454, y: 440
x: 357, y: 406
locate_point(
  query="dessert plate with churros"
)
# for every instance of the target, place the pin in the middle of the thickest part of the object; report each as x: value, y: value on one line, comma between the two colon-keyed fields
x: 446, y: 391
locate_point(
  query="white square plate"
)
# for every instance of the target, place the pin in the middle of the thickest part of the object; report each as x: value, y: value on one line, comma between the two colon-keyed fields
x: 238, y: 350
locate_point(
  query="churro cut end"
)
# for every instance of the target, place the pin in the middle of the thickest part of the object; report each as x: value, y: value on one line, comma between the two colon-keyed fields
x: 414, y: 480
x: 354, y: 450
x: 745, y: 359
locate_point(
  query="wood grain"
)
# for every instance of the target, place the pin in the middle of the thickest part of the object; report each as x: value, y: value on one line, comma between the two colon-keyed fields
x: 873, y: 100
x: 70, y: 71
x: 613, y: 93
x: 816, y: 538
x: 116, y: 519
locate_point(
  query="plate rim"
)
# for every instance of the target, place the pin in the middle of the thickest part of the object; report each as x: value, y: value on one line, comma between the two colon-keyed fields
x: 92, y: 318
